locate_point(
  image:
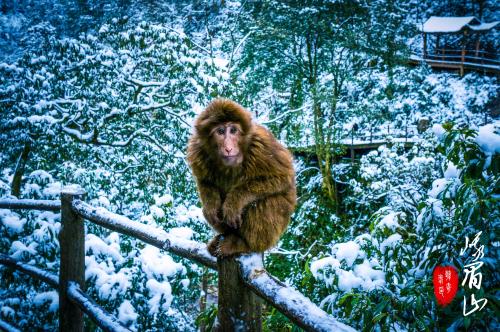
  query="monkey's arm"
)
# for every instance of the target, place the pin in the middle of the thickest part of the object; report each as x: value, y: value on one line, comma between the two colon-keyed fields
x: 241, y: 196
x: 211, y: 201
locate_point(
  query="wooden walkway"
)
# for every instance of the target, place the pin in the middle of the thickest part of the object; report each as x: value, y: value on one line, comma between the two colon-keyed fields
x: 354, y: 149
x: 456, y: 61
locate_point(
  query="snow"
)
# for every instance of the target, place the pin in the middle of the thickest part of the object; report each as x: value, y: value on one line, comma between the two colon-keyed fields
x: 126, y: 313
x: 390, y: 242
x: 484, y: 26
x: 320, y: 269
x: 348, y: 280
x: 438, y: 186
x: 183, y: 247
x: 161, y: 296
x: 52, y: 297
x: 4, y: 326
x: 438, y: 130
x: 362, y: 275
x: 488, y: 138
x: 163, y: 200
x: 451, y: 171
x: 436, y: 24
x: 347, y: 251
x: 17, y: 249
x: 99, y: 315
x: 182, y: 232
x: 390, y: 220
x: 41, y: 175
x: 287, y: 298
x: 157, y: 212
x: 11, y: 221
x: 157, y: 265
x: 96, y: 246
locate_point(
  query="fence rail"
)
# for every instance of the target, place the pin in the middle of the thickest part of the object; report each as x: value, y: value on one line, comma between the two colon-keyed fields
x: 105, y: 321
x: 243, y: 281
x: 458, y: 59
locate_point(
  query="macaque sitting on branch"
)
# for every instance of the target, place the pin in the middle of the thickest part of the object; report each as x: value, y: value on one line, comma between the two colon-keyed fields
x: 245, y: 179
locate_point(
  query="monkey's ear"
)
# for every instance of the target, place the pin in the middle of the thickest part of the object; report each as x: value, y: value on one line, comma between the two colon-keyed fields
x: 203, y: 127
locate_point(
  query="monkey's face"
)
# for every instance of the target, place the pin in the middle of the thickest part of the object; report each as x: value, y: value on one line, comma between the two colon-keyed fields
x: 228, y: 136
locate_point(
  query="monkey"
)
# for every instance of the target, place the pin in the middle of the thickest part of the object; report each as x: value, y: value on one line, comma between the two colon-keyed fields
x: 245, y: 179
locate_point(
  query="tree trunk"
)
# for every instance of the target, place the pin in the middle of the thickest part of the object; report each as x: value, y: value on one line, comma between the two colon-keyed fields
x: 323, y: 152
x: 15, y: 189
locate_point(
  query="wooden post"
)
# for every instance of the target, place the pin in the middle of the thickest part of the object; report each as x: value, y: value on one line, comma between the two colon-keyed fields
x: 425, y: 45
x: 352, y: 146
x: 437, y: 45
x: 203, y: 298
x: 72, y: 267
x: 478, y: 42
x: 239, y: 308
x: 464, y: 42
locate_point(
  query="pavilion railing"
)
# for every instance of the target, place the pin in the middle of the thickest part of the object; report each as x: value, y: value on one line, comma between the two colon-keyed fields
x: 243, y: 281
x: 469, y: 56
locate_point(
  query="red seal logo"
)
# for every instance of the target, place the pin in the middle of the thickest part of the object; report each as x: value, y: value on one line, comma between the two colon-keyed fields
x: 445, y: 279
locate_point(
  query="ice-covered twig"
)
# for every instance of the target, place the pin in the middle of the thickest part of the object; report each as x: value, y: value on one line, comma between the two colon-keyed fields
x: 287, y: 300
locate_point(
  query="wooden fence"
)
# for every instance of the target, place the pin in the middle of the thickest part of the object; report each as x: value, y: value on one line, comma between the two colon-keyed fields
x: 243, y: 281
x: 459, y: 59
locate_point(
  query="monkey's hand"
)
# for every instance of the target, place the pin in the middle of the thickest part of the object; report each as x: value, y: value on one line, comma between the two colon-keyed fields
x: 232, y: 213
x: 211, y: 214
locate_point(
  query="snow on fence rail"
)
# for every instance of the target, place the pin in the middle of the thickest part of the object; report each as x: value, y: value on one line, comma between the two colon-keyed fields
x: 243, y: 281
x: 4, y: 326
x: 103, y: 319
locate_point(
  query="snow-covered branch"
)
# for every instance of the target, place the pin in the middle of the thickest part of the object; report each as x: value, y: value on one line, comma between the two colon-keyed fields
x: 92, y: 137
x: 146, y: 108
x: 235, y: 50
x: 183, y: 35
x: 285, y: 114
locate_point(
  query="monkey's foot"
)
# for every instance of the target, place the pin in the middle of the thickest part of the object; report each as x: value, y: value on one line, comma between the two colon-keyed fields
x: 231, y: 245
x: 213, y: 245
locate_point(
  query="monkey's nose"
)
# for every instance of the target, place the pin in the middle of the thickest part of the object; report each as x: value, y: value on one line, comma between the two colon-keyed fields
x: 228, y: 150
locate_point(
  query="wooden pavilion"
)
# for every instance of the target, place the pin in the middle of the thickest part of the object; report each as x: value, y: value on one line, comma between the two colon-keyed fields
x: 457, y: 44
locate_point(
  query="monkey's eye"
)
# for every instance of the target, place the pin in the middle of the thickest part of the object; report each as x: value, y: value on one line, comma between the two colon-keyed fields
x: 220, y: 131
x: 233, y: 130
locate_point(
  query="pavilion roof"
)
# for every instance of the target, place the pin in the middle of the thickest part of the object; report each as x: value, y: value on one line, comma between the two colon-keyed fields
x: 440, y: 24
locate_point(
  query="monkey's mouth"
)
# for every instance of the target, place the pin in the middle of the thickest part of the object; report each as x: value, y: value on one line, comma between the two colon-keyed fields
x: 231, y: 160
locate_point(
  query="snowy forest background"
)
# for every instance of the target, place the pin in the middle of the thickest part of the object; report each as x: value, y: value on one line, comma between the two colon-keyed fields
x: 102, y: 94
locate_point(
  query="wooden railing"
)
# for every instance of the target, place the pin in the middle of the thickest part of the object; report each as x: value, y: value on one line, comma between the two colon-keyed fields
x: 243, y: 281
x: 470, y: 56
x: 458, y: 60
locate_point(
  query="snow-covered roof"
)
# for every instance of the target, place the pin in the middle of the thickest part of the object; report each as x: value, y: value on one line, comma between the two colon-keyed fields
x: 484, y: 26
x: 439, y: 24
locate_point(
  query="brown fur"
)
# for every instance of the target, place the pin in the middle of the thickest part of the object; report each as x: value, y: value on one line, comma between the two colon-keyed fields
x: 250, y: 204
